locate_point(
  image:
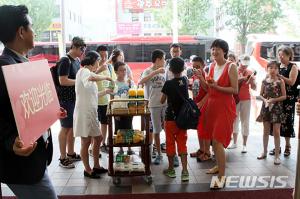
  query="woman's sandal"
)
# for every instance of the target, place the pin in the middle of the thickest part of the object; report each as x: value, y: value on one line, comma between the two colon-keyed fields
x: 262, y: 157
x: 287, y: 151
x: 203, y: 157
x: 196, y: 154
x: 213, y: 170
x: 220, y: 184
x: 272, y: 152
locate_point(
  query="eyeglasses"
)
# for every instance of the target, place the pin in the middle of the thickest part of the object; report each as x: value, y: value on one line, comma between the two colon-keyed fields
x: 82, y: 48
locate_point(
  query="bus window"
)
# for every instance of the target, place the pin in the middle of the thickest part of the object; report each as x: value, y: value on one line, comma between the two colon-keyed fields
x: 132, y: 52
x: 268, y: 50
x: 149, y: 48
x: 187, y: 50
x: 193, y: 49
x: 46, y: 49
x: 296, y: 49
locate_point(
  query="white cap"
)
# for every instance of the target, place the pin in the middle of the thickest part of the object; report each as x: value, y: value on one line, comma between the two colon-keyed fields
x: 245, y: 60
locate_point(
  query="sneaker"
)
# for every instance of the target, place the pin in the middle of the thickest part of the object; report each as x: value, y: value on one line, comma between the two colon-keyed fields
x: 232, y: 146
x: 170, y: 173
x: 157, y: 160
x: 244, y: 150
x: 75, y: 157
x: 66, y: 163
x: 277, y: 161
x: 184, y: 176
x: 176, y: 161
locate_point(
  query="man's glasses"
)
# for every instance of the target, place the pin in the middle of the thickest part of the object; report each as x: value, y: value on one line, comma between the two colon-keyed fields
x: 82, y: 49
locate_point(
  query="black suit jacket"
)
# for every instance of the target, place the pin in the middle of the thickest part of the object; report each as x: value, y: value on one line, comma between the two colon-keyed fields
x: 16, y: 169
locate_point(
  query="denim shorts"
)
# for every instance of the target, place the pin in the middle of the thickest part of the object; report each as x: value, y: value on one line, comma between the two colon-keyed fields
x: 67, y: 122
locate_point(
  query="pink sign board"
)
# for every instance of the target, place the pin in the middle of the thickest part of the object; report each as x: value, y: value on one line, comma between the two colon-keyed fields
x: 143, y: 4
x: 129, y: 28
x: 33, y: 98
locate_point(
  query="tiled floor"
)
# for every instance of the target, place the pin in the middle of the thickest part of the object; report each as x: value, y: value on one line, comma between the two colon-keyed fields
x: 72, y: 182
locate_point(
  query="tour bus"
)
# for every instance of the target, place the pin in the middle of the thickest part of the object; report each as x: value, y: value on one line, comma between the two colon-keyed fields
x: 137, y: 49
x: 264, y: 48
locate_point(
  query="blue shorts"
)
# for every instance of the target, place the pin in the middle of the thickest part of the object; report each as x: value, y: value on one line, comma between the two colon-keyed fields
x: 67, y: 122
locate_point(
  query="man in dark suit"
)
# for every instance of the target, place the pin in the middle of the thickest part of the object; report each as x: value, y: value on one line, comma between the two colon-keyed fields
x: 23, y: 169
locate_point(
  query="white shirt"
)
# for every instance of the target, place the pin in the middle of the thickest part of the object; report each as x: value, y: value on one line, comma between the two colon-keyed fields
x: 153, y: 88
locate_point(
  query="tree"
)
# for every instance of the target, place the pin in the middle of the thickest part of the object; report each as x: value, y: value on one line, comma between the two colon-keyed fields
x: 291, y: 21
x: 192, y: 16
x: 41, y: 12
x: 251, y: 16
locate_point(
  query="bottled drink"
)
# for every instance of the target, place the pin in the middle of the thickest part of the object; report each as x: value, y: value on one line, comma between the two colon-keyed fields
x: 132, y: 94
x: 140, y: 95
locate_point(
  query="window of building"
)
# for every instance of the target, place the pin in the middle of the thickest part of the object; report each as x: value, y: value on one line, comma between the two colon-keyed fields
x: 158, y: 34
x: 147, y: 25
x: 135, y: 17
x: 45, y: 36
x: 147, y: 16
x: 147, y: 34
x: 155, y: 26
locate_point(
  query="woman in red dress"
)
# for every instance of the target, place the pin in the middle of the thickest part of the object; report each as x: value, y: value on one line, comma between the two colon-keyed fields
x: 219, y: 111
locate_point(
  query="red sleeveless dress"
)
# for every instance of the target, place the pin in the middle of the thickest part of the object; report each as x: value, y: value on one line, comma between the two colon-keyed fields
x: 219, y: 111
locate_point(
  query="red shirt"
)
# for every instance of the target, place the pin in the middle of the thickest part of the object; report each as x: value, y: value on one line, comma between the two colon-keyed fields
x: 244, y: 93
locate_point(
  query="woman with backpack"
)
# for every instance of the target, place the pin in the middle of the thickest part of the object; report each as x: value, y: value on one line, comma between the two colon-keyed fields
x: 288, y: 72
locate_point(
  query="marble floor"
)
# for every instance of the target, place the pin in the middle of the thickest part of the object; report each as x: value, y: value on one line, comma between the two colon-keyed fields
x: 72, y: 181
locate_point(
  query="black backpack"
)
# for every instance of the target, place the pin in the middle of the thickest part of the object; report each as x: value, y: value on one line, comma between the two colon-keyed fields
x: 54, y: 71
x: 188, y: 115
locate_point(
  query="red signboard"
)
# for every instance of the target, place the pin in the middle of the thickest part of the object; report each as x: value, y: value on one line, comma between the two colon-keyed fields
x: 143, y: 4
x: 129, y: 28
x: 33, y: 98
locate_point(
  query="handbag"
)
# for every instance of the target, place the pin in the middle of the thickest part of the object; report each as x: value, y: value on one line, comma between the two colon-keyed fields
x: 188, y: 115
